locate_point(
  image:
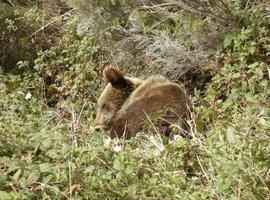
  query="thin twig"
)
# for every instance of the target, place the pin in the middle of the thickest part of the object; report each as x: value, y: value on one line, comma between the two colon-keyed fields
x: 49, y: 120
x: 204, y: 172
x: 9, y: 2
x: 79, y: 117
x: 51, y: 187
x: 51, y: 22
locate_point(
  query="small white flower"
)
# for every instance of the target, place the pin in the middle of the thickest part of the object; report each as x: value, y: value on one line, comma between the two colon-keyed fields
x: 28, y: 96
x: 176, y: 137
x: 117, y: 148
x: 156, y: 152
x: 152, y: 138
x: 107, y: 142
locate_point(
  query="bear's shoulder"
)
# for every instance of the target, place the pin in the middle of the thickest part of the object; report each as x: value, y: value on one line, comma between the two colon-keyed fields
x: 156, y: 85
x: 157, y: 81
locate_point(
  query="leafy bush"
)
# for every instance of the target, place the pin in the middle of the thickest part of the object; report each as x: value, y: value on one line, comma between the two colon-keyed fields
x: 68, y: 70
x: 238, y: 111
x: 176, y: 38
x: 35, y: 133
x: 48, y: 149
x: 23, y: 34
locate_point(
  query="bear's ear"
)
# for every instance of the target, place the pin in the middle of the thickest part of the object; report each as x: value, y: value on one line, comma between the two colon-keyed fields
x: 116, y: 78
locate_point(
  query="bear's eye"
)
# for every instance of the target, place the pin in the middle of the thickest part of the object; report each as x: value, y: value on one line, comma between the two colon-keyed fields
x: 105, y: 107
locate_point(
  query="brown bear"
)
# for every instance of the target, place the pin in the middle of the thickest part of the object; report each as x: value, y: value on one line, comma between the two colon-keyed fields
x: 128, y: 105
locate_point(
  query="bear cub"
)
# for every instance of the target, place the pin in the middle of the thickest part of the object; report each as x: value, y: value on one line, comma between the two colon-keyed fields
x: 128, y: 105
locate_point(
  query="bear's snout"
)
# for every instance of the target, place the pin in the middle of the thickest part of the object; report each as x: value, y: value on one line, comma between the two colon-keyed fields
x: 97, y: 128
x: 101, y: 122
x: 97, y: 123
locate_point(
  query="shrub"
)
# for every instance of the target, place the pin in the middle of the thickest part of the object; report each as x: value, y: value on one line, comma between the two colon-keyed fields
x: 176, y: 38
x: 238, y: 111
x: 22, y: 34
x: 52, y: 151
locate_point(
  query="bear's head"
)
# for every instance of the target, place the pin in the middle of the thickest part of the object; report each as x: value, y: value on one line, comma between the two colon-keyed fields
x: 116, y: 92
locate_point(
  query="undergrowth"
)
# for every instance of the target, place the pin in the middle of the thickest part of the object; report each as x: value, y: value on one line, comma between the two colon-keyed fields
x: 49, y: 150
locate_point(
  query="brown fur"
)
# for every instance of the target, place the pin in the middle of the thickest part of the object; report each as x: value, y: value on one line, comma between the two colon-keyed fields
x: 127, y: 104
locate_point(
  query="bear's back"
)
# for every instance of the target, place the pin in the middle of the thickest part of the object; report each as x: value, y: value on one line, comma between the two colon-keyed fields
x: 154, y: 99
x: 159, y: 91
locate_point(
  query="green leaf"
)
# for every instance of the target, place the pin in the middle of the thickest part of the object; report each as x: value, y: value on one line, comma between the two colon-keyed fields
x: 250, y: 97
x: 263, y: 122
x: 129, y: 169
x: 13, y: 85
x: 33, y: 177
x: 200, y: 126
x: 45, y: 167
x: 16, y: 175
x: 89, y: 170
x: 118, y: 164
x: 49, y: 178
x: 132, y: 189
x: 255, y: 64
x: 3, y: 179
x: 113, y: 2
x: 232, y: 167
x: 228, y: 40
x: 264, y: 83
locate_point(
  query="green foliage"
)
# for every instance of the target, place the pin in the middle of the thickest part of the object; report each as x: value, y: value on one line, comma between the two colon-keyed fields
x: 13, y: 41
x: 68, y: 70
x: 238, y: 111
x: 22, y: 35
x: 48, y: 149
